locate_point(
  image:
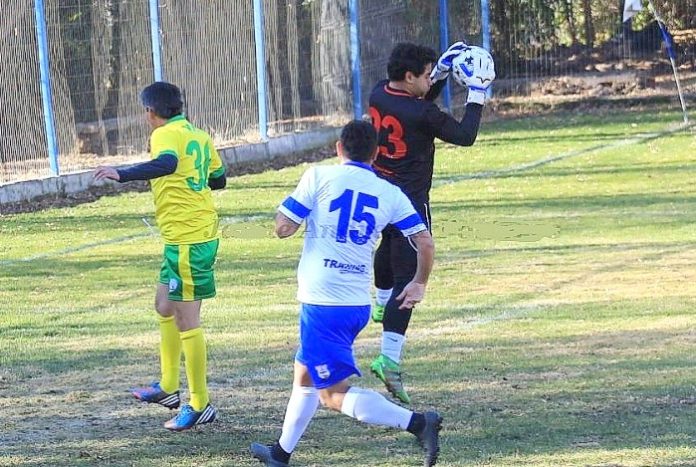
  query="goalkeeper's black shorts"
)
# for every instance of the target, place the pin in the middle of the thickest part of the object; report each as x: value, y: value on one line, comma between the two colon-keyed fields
x: 396, y: 258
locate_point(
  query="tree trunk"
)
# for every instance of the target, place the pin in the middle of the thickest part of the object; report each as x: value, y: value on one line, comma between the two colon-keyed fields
x: 589, y: 24
x: 570, y: 20
x: 502, y: 41
x: 625, y: 30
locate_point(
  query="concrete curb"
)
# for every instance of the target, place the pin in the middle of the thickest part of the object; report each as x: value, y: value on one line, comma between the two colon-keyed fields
x: 80, y: 181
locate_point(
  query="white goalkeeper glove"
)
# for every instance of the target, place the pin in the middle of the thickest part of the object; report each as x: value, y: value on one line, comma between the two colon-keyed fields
x: 474, y: 68
x: 442, y: 68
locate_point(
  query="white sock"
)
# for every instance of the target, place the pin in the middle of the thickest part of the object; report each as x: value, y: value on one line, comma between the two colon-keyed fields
x: 392, y: 343
x: 371, y: 407
x: 302, y: 406
x: 382, y: 296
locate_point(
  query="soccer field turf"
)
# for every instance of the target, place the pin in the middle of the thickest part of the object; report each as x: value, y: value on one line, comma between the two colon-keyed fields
x: 558, y: 327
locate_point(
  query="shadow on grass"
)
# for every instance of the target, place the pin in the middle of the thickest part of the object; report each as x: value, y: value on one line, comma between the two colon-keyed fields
x: 558, y: 395
x: 508, y: 415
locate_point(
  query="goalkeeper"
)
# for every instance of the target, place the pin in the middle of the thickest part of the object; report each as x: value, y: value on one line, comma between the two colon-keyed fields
x: 407, y: 122
x: 184, y: 168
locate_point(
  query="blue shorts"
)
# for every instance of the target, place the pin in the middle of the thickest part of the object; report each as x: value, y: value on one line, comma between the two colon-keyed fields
x: 326, y: 341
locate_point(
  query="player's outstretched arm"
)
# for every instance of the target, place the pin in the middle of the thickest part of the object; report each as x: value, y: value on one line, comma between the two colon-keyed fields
x: 284, y: 226
x: 474, y: 69
x: 448, y: 129
x: 415, y: 290
x: 159, y: 167
x: 104, y: 172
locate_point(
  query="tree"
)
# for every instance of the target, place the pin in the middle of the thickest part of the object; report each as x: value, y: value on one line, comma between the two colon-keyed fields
x: 589, y: 24
x: 567, y: 9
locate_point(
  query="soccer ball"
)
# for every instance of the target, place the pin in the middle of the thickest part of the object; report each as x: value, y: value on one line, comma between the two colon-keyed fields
x: 474, y: 68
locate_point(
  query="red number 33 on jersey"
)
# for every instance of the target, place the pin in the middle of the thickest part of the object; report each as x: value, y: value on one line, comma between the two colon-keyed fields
x: 396, y: 147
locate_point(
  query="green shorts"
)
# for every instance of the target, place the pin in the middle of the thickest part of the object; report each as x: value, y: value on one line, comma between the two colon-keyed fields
x: 188, y: 271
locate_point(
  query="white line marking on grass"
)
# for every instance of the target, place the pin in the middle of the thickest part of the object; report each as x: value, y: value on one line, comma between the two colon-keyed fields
x: 473, y: 176
x: 153, y: 232
x: 150, y: 233
x: 558, y: 157
x: 237, y: 219
x: 509, y: 312
x: 529, y: 304
x: 74, y: 249
x: 450, y: 326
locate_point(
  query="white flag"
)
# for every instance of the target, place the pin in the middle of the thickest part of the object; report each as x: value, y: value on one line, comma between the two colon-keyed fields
x: 631, y: 7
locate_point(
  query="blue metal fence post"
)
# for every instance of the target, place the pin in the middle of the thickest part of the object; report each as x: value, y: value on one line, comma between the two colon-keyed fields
x: 486, y: 34
x: 155, y: 38
x: 46, y: 94
x: 354, y: 8
x: 261, y: 68
x: 444, y: 43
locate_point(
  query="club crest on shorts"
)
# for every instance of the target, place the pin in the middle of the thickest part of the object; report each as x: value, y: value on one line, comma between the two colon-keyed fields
x: 323, y: 371
x: 173, y: 284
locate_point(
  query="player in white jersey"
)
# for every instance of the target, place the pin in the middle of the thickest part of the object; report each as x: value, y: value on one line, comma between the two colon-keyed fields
x: 345, y: 207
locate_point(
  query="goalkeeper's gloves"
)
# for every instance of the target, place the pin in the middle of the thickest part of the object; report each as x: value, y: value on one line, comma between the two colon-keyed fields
x: 474, y: 68
x: 442, y: 68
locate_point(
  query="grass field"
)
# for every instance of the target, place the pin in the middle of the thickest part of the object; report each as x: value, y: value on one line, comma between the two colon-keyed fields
x: 558, y: 328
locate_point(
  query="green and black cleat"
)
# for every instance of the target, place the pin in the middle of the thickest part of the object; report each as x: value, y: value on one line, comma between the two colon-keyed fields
x: 378, y: 313
x: 389, y: 372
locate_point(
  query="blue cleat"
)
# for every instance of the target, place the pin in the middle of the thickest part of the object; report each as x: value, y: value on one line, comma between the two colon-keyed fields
x: 188, y: 418
x: 155, y: 395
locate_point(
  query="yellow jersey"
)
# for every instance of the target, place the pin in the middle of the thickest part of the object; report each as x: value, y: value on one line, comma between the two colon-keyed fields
x: 184, y: 208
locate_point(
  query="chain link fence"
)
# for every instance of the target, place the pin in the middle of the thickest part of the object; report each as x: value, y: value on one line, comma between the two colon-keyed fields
x: 22, y: 130
x: 100, y: 55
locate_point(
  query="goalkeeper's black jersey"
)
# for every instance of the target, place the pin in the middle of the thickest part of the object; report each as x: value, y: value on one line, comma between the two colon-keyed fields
x: 407, y: 127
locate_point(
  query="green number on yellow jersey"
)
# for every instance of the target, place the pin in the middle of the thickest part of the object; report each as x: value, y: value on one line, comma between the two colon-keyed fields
x: 201, y: 164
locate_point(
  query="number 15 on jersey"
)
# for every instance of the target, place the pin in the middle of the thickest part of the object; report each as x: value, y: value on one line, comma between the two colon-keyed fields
x: 344, y: 205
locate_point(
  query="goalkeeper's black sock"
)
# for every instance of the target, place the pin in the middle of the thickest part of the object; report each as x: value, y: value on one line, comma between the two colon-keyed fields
x: 417, y: 423
x: 279, y: 453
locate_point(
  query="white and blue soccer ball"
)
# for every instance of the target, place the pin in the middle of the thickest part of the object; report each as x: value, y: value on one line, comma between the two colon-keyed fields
x: 474, y: 68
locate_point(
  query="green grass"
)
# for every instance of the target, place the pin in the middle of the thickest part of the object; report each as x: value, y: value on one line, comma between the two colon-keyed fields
x: 558, y: 328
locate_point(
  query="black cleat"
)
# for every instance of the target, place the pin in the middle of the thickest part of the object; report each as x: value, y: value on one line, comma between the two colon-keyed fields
x: 429, y: 437
x: 264, y: 454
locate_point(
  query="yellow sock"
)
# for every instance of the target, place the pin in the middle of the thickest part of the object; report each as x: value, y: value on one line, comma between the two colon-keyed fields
x: 170, y: 354
x: 196, y: 361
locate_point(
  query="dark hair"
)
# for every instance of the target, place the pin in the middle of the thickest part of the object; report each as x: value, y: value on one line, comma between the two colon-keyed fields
x: 409, y: 57
x: 359, y: 140
x: 162, y: 98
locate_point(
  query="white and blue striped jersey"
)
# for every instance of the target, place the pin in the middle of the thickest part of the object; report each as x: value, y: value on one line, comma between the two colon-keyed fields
x: 345, y: 208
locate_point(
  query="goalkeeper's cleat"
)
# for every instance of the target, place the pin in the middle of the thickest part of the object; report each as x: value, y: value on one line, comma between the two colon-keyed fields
x: 264, y: 454
x: 378, y: 313
x: 155, y: 395
x: 188, y: 418
x: 389, y: 372
x: 429, y: 437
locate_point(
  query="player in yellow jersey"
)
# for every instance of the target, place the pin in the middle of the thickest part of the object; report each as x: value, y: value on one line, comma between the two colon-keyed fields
x: 185, y: 166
